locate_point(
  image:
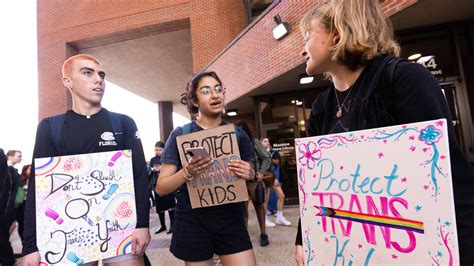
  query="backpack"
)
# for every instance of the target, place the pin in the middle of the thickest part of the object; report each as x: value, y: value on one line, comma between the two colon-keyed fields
x: 57, y: 123
x: 389, y: 79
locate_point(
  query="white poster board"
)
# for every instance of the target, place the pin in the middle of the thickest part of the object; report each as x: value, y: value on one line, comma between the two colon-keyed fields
x: 378, y: 196
x: 85, y: 207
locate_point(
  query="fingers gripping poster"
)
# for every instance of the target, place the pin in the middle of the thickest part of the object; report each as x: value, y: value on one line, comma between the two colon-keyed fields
x: 379, y: 196
x: 85, y: 207
x: 218, y: 185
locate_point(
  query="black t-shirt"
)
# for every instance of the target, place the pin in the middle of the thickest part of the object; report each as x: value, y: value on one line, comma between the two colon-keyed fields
x: 171, y: 156
x: 81, y: 135
x: 341, y: 124
x: 346, y: 101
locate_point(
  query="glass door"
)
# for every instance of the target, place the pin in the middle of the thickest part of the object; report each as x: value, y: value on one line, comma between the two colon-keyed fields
x: 284, y: 119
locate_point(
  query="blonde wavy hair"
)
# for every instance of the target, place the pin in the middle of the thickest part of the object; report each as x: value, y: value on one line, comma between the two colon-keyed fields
x: 363, y: 28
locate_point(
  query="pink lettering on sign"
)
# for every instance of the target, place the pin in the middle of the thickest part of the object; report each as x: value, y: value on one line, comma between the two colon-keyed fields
x: 378, y: 212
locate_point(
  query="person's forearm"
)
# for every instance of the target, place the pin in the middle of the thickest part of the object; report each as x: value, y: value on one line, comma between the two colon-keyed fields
x: 29, y: 240
x: 169, y: 184
x: 299, y: 238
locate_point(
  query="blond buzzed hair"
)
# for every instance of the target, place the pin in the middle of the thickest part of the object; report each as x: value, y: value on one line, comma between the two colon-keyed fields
x: 364, y: 30
x: 67, y: 66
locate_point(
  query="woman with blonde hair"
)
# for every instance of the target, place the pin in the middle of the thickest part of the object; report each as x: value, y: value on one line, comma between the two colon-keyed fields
x: 352, y: 43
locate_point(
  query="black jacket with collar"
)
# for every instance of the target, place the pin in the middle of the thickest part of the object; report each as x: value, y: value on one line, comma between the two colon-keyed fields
x: 5, y: 182
x: 407, y: 95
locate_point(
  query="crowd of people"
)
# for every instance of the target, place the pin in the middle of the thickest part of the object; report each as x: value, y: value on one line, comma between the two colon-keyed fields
x: 350, y: 41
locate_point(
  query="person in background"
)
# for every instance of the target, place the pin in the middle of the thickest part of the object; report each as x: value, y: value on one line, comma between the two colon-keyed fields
x: 270, y: 197
x: 14, y: 157
x: 280, y: 174
x: 6, y: 190
x: 21, y: 197
x: 4, y: 182
x: 261, y: 164
x: 166, y: 202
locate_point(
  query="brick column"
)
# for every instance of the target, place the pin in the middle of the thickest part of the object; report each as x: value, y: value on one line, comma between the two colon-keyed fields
x: 165, y: 112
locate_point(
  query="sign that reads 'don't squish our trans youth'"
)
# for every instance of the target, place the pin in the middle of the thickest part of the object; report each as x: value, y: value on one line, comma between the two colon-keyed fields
x: 85, y: 207
x: 378, y: 196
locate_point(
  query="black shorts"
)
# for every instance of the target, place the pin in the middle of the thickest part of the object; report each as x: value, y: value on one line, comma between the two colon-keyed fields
x: 166, y: 202
x: 198, y: 234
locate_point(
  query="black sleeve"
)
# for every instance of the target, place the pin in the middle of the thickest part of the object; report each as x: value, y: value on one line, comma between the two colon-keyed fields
x: 418, y: 97
x: 170, y: 152
x: 43, y: 148
x: 3, y: 164
x: 299, y: 238
x: 140, y: 174
x: 3, y: 182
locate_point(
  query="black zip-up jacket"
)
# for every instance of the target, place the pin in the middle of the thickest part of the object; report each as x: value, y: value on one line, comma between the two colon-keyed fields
x: 5, y: 182
x: 411, y: 95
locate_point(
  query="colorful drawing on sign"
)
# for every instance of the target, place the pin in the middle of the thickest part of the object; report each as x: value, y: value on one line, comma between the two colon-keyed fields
x: 124, y: 245
x: 368, y: 197
x: 85, y: 205
x: 218, y: 185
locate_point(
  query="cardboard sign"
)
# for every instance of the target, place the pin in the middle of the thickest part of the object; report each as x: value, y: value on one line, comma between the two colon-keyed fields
x: 85, y: 207
x: 378, y: 196
x: 218, y: 185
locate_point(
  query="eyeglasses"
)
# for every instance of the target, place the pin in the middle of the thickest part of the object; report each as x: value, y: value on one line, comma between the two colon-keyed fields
x: 207, y: 90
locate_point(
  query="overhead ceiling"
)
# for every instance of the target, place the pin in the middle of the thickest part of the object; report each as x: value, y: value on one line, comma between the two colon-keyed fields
x: 423, y: 13
x: 155, y: 67
x: 431, y: 12
x: 289, y: 81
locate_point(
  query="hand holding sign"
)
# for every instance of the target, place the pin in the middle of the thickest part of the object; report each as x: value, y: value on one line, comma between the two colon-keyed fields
x: 242, y: 169
x: 198, y: 165
x: 214, y: 182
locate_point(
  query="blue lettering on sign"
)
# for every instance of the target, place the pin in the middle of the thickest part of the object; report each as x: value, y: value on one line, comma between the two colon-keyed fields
x: 328, y: 181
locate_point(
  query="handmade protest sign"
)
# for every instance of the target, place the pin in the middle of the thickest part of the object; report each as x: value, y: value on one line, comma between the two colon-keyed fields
x: 218, y: 185
x: 378, y: 196
x: 85, y: 207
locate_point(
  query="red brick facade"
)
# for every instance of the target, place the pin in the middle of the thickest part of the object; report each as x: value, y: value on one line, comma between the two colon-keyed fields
x: 66, y: 26
x: 255, y: 58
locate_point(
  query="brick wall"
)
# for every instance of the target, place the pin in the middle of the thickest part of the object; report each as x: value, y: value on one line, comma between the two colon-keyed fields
x: 256, y: 58
x: 66, y: 26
